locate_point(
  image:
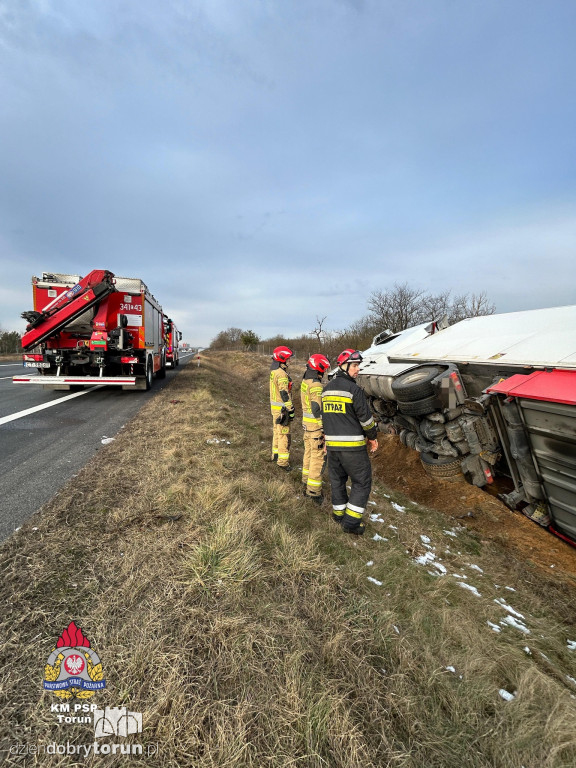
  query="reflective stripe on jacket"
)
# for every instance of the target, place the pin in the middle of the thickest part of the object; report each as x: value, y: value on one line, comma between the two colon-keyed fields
x: 346, y: 415
x: 279, y: 389
x: 311, y: 395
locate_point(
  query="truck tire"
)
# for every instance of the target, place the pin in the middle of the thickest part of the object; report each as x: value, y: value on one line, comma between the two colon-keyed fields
x: 415, y: 384
x: 419, y: 407
x: 161, y: 372
x: 442, y: 467
x: 149, y: 374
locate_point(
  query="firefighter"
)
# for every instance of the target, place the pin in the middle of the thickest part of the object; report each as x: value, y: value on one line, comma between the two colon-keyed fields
x: 311, y: 395
x: 348, y: 426
x: 281, y: 406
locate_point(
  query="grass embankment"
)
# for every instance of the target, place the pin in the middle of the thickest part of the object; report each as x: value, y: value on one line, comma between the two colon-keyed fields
x: 241, y: 622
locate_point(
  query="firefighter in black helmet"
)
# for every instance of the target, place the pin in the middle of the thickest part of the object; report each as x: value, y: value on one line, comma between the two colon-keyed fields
x: 348, y: 427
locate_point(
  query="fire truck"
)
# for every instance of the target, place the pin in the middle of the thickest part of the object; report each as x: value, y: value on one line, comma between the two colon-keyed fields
x: 98, y: 329
x: 489, y: 399
x: 172, y: 339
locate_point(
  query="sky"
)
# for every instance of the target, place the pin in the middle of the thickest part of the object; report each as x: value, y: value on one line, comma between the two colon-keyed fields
x: 262, y: 163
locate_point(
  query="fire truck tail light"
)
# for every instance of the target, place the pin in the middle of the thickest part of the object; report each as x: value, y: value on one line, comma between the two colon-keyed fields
x: 33, y: 358
x: 128, y: 359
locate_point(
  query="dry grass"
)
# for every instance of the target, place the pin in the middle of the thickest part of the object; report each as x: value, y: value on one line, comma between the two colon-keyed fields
x: 238, y: 619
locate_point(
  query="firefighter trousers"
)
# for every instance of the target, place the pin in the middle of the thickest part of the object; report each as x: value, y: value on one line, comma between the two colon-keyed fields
x: 313, y: 462
x: 356, y: 466
x: 281, y: 443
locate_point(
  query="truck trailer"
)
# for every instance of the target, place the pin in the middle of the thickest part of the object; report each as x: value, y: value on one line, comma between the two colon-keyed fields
x: 488, y: 399
x: 98, y: 329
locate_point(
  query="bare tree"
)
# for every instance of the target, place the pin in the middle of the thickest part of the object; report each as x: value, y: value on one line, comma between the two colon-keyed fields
x: 401, y: 307
x: 397, y: 308
x: 318, y: 332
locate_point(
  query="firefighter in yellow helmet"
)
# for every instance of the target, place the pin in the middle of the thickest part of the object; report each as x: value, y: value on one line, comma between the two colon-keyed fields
x: 314, y: 450
x: 281, y: 406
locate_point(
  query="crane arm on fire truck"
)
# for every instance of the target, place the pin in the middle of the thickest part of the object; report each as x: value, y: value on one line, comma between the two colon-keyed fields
x: 66, y: 307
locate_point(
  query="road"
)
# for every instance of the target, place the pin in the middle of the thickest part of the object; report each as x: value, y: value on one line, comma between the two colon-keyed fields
x: 42, y: 450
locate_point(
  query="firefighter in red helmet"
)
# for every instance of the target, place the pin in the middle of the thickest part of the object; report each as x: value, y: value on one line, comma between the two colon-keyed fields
x: 311, y: 395
x: 348, y: 426
x: 281, y: 406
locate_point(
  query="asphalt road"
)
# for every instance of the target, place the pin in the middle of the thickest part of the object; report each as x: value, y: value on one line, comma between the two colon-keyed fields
x: 41, y: 451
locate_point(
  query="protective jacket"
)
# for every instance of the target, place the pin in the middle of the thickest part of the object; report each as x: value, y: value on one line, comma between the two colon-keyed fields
x: 311, y: 395
x: 280, y: 388
x: 346, y: 415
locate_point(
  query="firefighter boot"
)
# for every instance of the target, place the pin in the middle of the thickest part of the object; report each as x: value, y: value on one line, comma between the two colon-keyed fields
x: 356, y: 530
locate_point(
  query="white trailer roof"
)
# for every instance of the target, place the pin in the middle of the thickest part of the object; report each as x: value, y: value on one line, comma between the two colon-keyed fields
x: 538, y: 337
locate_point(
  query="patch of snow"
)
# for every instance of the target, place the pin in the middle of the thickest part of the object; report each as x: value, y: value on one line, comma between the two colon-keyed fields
x: 469, y: 587
x: 397, y: 507
x: 425, y: 559
x: 527, y: 651
x: 506, y: 696
x: 500, y: 601
x: 450, y: 669
x: 516, y: 624
x: 440, y: 567
x: 394, y: 528
x: 370, y: 562
x: 396, y: 629
x: 475, y: 567
x: 376, y: 537
x: 107, y: 440
x: 375, y: 581
x: 373, y: 503
x: 451, y: 533
x: 510, y: 589
x: 572, y: 680
x: 495, y: 627
x: 571, y: 645
x: 376, y: 518
x: 387, y: 495
x: 459, y: 575
x: 425, y: 539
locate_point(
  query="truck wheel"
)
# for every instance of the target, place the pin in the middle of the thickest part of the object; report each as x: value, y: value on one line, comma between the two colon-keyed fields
x: 149, y: 374
x: 415, y: 384
x: 443, y: 467
x: 161, y: 372
x: 419, y: 407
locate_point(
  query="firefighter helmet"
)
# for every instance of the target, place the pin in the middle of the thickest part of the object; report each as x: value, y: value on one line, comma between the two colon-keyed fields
x: 349, y: 356
x: 282, y: 354
x: 319, y: 363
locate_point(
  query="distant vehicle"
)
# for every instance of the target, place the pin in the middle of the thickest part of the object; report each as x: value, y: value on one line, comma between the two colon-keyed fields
x: 98, y: 329
x: 489, y: 396
x: 172, y: 340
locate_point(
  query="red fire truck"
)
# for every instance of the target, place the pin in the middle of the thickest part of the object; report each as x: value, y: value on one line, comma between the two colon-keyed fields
x: 98, y: 329
x: 172, y: 339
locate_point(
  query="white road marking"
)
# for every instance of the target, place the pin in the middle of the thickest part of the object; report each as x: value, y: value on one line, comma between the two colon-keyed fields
x: 28, y: 411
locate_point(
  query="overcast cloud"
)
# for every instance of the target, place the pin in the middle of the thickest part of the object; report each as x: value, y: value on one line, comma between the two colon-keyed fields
x: 261, y: 162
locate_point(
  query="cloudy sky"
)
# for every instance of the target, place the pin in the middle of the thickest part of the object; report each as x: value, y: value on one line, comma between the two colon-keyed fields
x: 259, y: 163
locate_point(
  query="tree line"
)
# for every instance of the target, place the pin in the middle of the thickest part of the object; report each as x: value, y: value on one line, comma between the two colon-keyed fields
x: 10, y: 342
x: 392, y: 309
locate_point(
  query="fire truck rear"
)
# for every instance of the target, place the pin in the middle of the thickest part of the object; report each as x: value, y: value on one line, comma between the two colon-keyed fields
x: 173, y: 337
x: 98, y: 329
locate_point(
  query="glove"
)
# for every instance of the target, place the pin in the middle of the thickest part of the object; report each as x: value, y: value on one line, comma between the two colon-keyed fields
x: 292, y: 413
x: 282, y: 417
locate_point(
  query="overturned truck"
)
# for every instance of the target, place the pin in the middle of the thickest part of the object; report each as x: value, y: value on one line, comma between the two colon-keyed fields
x: 487, y: 398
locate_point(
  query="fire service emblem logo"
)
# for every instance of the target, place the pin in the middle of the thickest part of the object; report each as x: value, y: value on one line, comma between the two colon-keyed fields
x: 73, y: 669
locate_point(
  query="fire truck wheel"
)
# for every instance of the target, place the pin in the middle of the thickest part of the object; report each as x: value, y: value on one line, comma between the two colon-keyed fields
x: 415, y: 384
x: 149, y: 374
x: 419, y: 407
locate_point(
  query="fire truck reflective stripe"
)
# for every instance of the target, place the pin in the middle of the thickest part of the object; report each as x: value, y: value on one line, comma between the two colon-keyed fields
x: 29, y: 411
